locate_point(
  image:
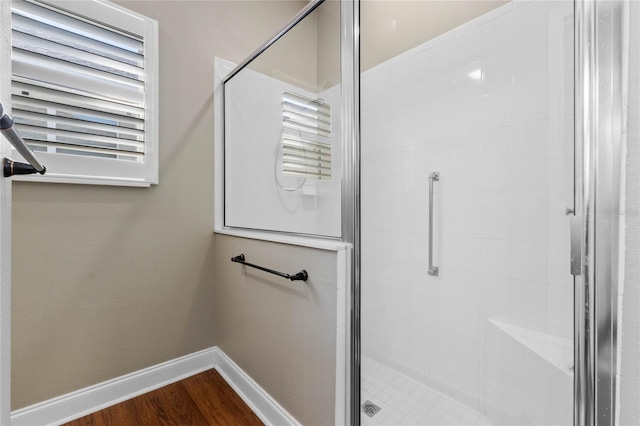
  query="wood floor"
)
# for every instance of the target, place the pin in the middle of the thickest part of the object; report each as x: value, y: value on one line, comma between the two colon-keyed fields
x: 203, y: 399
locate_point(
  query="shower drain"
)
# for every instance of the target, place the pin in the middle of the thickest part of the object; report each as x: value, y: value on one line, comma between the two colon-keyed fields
x: 369, y: 408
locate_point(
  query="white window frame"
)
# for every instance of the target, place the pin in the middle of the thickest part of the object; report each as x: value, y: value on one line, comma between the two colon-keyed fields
x: 86, y: 170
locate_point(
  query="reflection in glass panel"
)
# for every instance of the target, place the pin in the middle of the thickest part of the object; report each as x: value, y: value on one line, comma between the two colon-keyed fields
x: 482, y: 93
x: 282, y: 132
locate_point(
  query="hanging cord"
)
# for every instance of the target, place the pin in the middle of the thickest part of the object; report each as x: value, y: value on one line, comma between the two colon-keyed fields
x: 279, y: 154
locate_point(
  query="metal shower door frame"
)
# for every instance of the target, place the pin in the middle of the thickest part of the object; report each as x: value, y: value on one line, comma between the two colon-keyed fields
x: 598, y: 158
x: 350, y: 73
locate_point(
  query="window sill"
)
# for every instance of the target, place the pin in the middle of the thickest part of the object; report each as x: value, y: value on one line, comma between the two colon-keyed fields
x: 296, y: 240
x: 82, y: 180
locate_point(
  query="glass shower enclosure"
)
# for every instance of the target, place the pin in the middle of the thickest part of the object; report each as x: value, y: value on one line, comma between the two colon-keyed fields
x: 467, y: 169
x: 468, y: 151
x: 488, y: 158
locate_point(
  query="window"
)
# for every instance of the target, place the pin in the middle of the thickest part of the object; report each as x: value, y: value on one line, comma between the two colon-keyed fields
x: 84, y: 90
x: 310, y: 118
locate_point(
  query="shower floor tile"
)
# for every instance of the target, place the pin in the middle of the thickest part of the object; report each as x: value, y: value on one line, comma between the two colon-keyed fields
x: 407, y: 402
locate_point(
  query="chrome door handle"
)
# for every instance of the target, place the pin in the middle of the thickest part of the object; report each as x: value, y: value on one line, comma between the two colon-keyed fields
x: 433, y: 177
x: 576, y: 244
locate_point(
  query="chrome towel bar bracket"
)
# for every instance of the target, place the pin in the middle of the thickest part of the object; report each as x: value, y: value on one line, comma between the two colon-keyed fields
x: 300, y: 276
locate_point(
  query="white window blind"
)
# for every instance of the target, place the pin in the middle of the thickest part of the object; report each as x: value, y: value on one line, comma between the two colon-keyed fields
x: 84, y: 89
x: 305, y: 114
x: 308, y: 153
x: 306, y: 158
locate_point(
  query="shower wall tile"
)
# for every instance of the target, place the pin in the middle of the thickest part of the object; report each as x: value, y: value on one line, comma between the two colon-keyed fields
x: 530, y: 61
x: 497, y: 109
x: 418, y: 309
x: 467, y: 387
x: 465, y: 149
x: 558, y: 264
x: 560, y: 15
x: 528, y: 261
x: 419, y: 365
x: 496, y: 257
x: 440, y: 320
x: 528, y: 220
x: 530, y: 22
x: 497, y: 35
x: 419, y: 338
x: 489, y: 106
x: 494, y: 296
x: 462, y: 287
x: 497, y: 72
x: 442, y: 57
x: 414, y: 70
x: 561, y: 86
x: 468, y: 81
x: 440, y: 375
x: 494, y: 183
x: 528, y: 302
x: 493, y: 217
x: 559, y: 169
x: 468, y: 46
x: 497, y: 146
x: 530, y: 141
x: 467, y: 323
x: 397, y: 302
x: 441, y: 107
x: 257, y: 116
x: 560, y: 309
x: 468, y: 355
x: 560, y: 55
x: 459, y: 223
x: 466, y: 253
x: 531, y: 101
x: 468, y: 114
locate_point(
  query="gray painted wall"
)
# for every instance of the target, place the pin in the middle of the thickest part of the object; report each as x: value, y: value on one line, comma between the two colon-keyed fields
x: 282, y: 333
x: 111, y: 280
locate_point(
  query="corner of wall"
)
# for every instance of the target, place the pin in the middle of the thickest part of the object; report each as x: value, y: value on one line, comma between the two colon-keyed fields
x: 5, y: 223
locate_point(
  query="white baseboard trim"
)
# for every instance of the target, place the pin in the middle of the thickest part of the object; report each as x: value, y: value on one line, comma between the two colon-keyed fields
x: 93, y: 398
x: 85, y: 401
x: 265, y: 407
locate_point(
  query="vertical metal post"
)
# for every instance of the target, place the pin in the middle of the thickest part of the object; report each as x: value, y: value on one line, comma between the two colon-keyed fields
x: 585, y: 129
x: 607, y: 163
x: 598, y: 135
x: 350, y: 55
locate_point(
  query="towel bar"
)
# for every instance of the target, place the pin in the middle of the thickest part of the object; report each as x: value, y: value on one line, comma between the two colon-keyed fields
x: 300, y: 276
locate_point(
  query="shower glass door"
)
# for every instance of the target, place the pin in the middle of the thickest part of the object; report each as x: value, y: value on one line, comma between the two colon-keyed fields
x: 467, y: 173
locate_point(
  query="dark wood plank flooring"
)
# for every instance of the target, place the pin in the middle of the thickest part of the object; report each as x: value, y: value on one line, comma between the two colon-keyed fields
x: 203, y: 399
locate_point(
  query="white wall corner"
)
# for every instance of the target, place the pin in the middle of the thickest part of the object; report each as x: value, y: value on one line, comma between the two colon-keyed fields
x: 265, y: 407
x: 5, y: 222
x: 85, y: 401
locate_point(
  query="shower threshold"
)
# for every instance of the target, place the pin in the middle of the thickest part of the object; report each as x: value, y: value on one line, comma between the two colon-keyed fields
x: 405, y: 401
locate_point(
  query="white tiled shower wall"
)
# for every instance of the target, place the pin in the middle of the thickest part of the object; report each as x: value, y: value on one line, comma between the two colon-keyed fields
x: 254, y: 194
x: 489, y: 105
